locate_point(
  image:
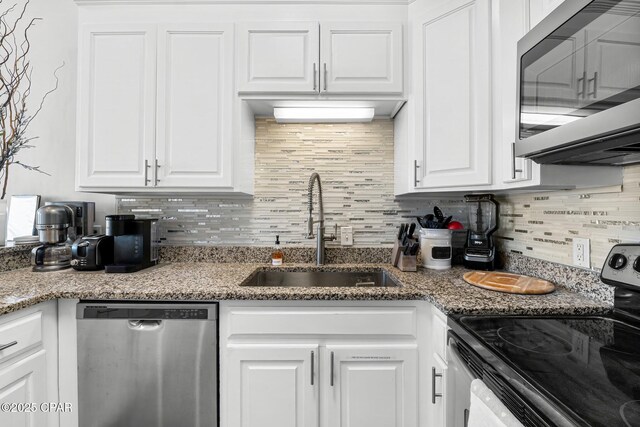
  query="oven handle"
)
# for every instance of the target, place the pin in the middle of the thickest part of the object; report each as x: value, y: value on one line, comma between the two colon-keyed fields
x: 455, y: 353
x: 489, y: 375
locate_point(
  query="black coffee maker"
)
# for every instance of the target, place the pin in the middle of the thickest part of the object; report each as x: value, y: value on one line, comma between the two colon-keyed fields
x: 135, y: 243
x: 479, y: 250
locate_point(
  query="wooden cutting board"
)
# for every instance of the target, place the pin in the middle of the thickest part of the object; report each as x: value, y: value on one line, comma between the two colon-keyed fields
x: 508, y: 282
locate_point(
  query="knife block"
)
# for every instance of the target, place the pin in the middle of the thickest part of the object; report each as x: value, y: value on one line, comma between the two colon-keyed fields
x: 407, y: 262
x: 402, y: 261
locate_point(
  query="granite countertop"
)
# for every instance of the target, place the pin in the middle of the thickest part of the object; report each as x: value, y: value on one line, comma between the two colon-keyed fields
x: 182, y: 281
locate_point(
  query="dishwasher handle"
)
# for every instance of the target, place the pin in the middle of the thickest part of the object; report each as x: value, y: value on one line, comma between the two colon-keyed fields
x: 144, y: 325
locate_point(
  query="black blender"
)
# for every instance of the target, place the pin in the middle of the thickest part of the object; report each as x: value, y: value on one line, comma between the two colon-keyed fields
x: 479, y: 250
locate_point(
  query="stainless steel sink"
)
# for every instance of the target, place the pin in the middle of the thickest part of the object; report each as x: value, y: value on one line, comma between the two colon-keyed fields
x: 360, y: 279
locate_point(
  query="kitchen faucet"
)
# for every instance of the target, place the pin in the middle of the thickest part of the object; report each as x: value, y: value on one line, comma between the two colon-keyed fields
x: 320, y: 230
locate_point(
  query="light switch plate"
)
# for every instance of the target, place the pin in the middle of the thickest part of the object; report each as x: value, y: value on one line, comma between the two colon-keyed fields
x: 581, y: 252
x: 346, y: 236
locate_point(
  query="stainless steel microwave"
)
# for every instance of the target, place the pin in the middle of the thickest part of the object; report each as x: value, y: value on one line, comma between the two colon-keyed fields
x: 578, y: 90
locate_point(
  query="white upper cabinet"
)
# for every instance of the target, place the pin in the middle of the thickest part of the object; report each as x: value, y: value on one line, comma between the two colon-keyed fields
x: 456, y: 95
x: 278, y: 57
x: 116, y: 104
x: 361, y: 57
x: 313, y: 58
x: 195, y: 93
x: 156, y: 108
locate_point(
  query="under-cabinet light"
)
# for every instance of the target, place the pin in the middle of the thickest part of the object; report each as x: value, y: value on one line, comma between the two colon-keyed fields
x: 323, y: 114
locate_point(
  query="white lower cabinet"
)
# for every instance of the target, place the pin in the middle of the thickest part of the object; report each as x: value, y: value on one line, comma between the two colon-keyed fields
x: 272, y: 375
x: 369, y: 386
x: 23, y: 386
x: 28, y: 367
x: 272, y: 385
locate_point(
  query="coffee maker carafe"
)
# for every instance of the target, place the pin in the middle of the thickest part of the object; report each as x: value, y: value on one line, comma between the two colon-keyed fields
x: 479, y: 250
x: 58, y: 225
x: 53, y: 223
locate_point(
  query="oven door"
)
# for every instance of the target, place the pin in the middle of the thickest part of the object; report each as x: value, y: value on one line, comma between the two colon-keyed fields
x: 459, y: 379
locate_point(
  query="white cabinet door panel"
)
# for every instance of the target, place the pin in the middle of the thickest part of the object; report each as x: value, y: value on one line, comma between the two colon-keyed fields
x: 116, y: 104
x: 24, y: 382
x: 278, y: 57
x: 361, y: 57
x: 195, y: 82
x: 372, y: 386
x: 457, y: 102
x: 272, y: 386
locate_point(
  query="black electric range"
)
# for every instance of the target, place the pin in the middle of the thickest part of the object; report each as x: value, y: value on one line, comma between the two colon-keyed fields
x: 564, y: 370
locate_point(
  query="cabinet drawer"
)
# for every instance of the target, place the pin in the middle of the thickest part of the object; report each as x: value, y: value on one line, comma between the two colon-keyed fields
x: 25, y: 331
x: 322, y: 321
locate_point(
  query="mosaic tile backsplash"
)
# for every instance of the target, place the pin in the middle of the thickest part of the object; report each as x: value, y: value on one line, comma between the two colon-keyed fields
x: 355, y: 163
x: 543, y: 225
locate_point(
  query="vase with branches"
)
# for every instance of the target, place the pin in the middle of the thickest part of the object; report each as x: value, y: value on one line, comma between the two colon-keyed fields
x: 15, y: 89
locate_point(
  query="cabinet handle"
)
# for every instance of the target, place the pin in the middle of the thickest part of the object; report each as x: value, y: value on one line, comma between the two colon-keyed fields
x: 434, y: 375
x: 331, y: 371
x: 595, y: 85
x: 513, y: 161
x: 312, y: 366
x: 465, y: 417
x: 156, y: 174
x: 582, y: 85
x: 6, y: 346
x: 315, y: 77
x: 146, y: 172
x: 325, y: 76
x: 416, y: 182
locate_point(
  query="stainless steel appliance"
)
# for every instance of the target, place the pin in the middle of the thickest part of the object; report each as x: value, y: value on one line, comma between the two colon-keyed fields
x: 92, y: 252
x: 579, y: 85
x: 135, y: 243
x: 84, y: 214
x: 563, y: 370
x: 53, y: 222
x: 479, y: 250
x: 146, y: 364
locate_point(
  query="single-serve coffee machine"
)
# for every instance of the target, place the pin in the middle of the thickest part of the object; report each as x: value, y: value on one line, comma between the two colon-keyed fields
x: 135, y: 243
x: 58, y: 225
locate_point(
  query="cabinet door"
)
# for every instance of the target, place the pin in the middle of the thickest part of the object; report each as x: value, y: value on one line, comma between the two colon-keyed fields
x: 455, y: 40
x: 278, y: 57
x: 369, y: 386
x: 272, y: 386
x: 361, y: 57
x: 116, y: 105
x: 24, y: 381
x: 195, y: 96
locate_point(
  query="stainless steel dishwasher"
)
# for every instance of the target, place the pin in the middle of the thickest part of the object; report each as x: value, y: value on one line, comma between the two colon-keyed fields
x: 147, y: 364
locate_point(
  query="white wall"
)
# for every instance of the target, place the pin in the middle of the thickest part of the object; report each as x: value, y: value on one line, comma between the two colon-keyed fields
x: 54, y: 40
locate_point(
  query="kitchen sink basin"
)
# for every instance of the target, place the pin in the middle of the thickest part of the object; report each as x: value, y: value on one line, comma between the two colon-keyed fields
x: 359, y: 279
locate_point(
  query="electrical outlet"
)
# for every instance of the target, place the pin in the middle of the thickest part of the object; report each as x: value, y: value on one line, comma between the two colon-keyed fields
x: 581, y: 252
x: 346, y: 236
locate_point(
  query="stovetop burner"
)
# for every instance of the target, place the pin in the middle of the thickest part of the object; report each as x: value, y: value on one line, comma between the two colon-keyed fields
x: 534, y: 341
x: 588, y: 365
